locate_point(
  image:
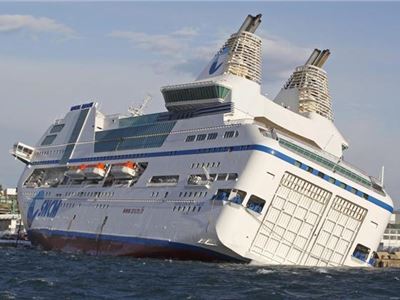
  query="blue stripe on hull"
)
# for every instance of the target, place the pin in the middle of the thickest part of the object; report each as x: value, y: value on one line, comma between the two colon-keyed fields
x: 106, y: 244
x: 260, y: 148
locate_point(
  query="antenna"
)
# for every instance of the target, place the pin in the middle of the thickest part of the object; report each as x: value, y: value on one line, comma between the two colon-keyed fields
x: 138, y: 111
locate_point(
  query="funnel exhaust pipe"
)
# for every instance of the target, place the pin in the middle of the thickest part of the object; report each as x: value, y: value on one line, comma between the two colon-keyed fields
x: 250, y: 24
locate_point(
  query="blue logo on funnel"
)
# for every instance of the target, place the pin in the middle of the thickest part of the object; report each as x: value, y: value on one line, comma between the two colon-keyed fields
x: 215, y: 66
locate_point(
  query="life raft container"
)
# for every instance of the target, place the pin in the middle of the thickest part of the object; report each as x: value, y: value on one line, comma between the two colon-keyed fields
x: 126, y: 170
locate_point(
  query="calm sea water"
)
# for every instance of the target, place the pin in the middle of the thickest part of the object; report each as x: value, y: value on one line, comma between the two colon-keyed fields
x: 33, y: 273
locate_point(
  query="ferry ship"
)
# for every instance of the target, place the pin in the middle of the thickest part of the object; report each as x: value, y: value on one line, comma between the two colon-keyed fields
x: 224, y: 174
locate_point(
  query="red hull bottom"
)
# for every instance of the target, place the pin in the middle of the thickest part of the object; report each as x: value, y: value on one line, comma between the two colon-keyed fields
x: 116, y: 246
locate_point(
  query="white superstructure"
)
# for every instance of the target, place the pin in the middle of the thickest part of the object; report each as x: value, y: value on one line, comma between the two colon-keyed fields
x: 224, y: 174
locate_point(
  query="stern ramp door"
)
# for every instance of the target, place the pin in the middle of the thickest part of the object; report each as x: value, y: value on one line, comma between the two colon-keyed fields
x: 290, y: 226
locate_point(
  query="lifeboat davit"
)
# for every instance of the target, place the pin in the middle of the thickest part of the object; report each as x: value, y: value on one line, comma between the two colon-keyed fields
x: 125, y: 170
x: 95, y: 172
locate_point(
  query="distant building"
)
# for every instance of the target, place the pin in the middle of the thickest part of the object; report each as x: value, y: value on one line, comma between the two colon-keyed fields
x: 10, y: 192
x: 391, y: 237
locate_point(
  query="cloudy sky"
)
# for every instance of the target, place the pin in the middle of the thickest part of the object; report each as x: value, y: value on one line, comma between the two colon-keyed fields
x: 54, y: 55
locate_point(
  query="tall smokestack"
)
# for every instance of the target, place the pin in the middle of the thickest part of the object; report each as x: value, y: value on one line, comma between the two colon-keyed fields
x: 307, y: 90
x: 240, y: 55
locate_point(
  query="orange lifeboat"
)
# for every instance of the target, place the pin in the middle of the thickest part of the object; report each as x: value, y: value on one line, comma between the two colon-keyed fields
x: 126, y: 170
x: 94, y: 172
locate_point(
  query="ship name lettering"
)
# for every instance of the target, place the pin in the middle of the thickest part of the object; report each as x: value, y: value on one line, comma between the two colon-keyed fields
x: 133, y: 210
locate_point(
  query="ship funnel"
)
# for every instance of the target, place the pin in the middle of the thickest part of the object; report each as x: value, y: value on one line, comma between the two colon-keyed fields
x: 250, y: 24
x: 313, y: 57
x: 307, y: 90
x: 318, y: 58
x: 240, y: 55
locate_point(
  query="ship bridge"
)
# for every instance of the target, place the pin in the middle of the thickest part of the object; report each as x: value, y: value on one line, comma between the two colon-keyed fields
x: 195, y: 95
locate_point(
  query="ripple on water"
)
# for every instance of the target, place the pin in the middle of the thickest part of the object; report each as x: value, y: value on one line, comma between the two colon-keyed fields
x: 28, y: 273
x: 265, y: 271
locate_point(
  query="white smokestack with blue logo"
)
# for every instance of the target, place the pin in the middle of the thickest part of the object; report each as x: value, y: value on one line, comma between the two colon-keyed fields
x: 240, y: 55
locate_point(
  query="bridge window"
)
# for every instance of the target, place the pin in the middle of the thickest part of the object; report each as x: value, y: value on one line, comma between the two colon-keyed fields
x: 48, y: 140
x: 57, y: 128
x: 195, y: 93
x: 135, y: 137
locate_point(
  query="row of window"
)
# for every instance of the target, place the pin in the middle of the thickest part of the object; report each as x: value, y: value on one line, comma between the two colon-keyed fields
x: 192, y: 194
x: 156, y: 194
x: 254, y: 203
x: 49, y: 152
x: 231, y: 134
x: 102, y: 205
x: 192, y: 179
x: 391, y: 237
x: 211, y: 136
x: 90, y: 194
x: 326, y: 163
x: 201, y: 137
x: 68, y: 205
x: 135, y: 137
x: 205, y: 165
x: 197, y: 179
x: 392, y: 231
x: 331, y: 180
x: 195, y: 93
x: 187, y: 208
x: 181, y: 194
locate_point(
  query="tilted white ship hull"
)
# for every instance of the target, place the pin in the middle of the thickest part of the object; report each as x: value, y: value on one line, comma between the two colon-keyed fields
x: 226, y: 174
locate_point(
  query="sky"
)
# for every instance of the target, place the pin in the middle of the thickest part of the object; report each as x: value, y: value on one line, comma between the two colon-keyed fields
x: 55, y: 55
